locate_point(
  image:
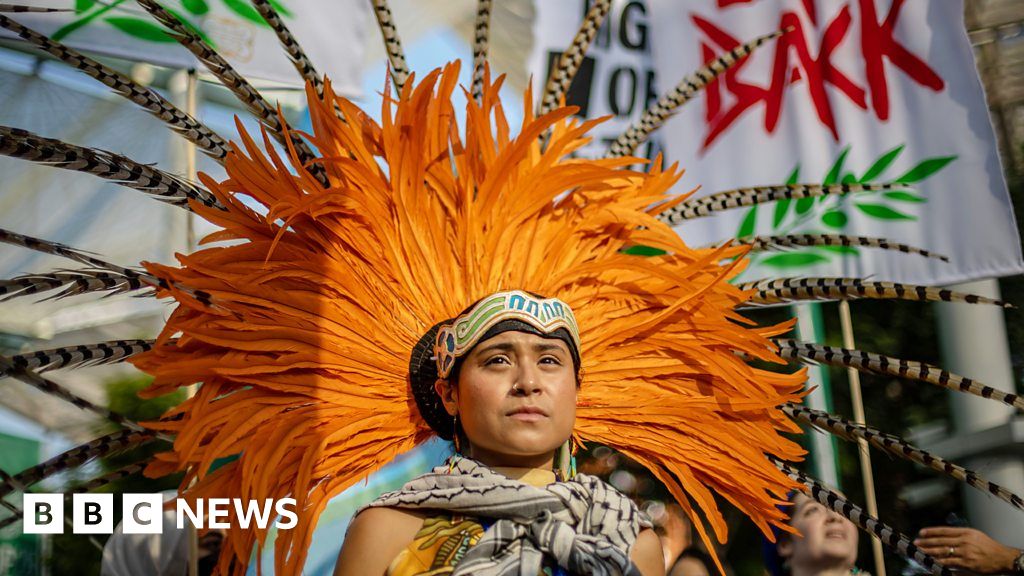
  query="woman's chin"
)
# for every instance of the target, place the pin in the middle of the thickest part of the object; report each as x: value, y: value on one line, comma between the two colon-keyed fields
x: 526, y: 446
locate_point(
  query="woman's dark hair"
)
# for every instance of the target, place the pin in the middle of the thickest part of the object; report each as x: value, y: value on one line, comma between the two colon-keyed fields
x: 775, y: 564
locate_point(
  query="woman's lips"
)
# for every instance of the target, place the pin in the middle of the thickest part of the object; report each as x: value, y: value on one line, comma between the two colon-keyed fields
x: 527, y: 414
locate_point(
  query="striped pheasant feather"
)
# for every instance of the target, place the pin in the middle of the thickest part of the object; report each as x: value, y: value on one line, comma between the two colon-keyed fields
x: 14, y: 510
x: 481, y: 41
x: 303, y: 65
x: 790, y: 240
x: 887, y: 534
x: 18, y: 143
x: 568, y: 64
x: 115, y: 476
x: 194, y: 131
x: 655, y: 116
x: 739, y: 197
x: 57, y: 249
x: 6, y: 236
x: 898, y: 447
x: 73, y: 282
x: 238, y: 85
x: 775, y: 291
x: 888, y: 365
x: 392, y: 44
x: 50, y: 387
x: 98, y: 448
x: 76, y: 356
x: 19, y: 8
x: 90, y: 486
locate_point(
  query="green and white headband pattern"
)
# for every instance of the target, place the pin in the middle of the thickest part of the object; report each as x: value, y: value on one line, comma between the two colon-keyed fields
x: 459, y: 336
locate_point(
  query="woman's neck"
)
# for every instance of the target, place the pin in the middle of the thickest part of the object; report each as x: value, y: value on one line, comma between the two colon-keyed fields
x: 532, y: 476
x: 495, y: 460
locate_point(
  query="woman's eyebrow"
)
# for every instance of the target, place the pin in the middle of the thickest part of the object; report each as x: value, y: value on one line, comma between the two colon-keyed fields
x: 798, y: 507
x: 545, y: 346
x: 503, y: 346
x: 509, y: 347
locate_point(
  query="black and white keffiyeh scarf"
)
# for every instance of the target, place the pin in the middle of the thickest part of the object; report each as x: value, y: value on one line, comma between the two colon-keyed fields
x: 583, y: 525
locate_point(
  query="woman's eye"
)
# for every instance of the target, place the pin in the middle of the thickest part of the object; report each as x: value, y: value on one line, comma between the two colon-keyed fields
x: 550, y: 360
x: 497, y: 360
x: 812, y: 510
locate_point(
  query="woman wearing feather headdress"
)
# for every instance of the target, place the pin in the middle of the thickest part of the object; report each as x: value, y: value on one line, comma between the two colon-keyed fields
x: 507, y: 387
x: 330, y: 268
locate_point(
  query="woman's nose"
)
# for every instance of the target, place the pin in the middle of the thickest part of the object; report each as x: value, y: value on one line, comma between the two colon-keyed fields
x: 526, y: 380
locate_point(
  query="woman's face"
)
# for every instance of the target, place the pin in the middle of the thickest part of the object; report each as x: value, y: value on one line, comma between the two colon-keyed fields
x: 515, y: 398
x: 828, y: 539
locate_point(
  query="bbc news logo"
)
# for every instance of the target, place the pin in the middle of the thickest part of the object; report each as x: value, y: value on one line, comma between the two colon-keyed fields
x: 144, y: 513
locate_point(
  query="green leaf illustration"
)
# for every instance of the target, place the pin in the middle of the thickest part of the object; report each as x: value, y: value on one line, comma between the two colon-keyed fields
x: 925, y: 169
x: 831, y: 214
x: 793, y: 260
x: 643, y: 251
x: 883, y: 212
x: 782, y: 206
x: 748, y: 224
x: 83, y: 5
x: 834, y: 219
x: 141, y: 29
x: 803, y: 205
x: 850, y: 250
x: 903, y: 196
x: 197, y: 7
x: 833, y: 173
x: 881, y: 164
x: 781, y: 210
x: 282, y: 10
x: 70, y: 27
x: 794, y: 176
x: 245, y: 10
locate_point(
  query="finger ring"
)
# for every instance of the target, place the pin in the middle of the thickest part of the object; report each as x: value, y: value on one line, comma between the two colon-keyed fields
x: 952, y: 551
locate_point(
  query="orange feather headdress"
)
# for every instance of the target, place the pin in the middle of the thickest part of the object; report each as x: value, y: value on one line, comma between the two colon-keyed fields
x: 315, y: 304
x: 330, y: 265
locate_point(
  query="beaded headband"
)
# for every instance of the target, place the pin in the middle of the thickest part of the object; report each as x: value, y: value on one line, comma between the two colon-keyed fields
x: 459, y: 336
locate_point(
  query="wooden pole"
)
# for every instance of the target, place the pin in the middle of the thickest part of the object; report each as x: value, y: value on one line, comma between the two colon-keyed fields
x: 846, y: 323
x: 191, y: 104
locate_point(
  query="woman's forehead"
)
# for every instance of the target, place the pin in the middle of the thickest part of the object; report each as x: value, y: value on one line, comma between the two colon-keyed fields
x: 800, y: 501
x: 520, y: 340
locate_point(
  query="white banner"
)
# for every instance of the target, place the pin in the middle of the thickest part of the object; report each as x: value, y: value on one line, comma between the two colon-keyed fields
x: 857, y: 90
x: 333, y: 34
x: 617, y: 76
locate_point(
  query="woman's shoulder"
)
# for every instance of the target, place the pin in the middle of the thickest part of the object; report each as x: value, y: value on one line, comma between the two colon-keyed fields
x: 371, y: 518
x: 603, y: 490
x: 375, y: 536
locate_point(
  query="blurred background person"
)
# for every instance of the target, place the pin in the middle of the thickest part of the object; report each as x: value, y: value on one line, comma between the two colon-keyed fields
x: 693, y: 562
x: 825, y: 546
x: 970, y: 549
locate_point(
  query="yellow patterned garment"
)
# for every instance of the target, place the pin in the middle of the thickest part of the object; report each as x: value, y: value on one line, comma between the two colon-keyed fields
x: 443, y: 540
x: 437, y: 547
